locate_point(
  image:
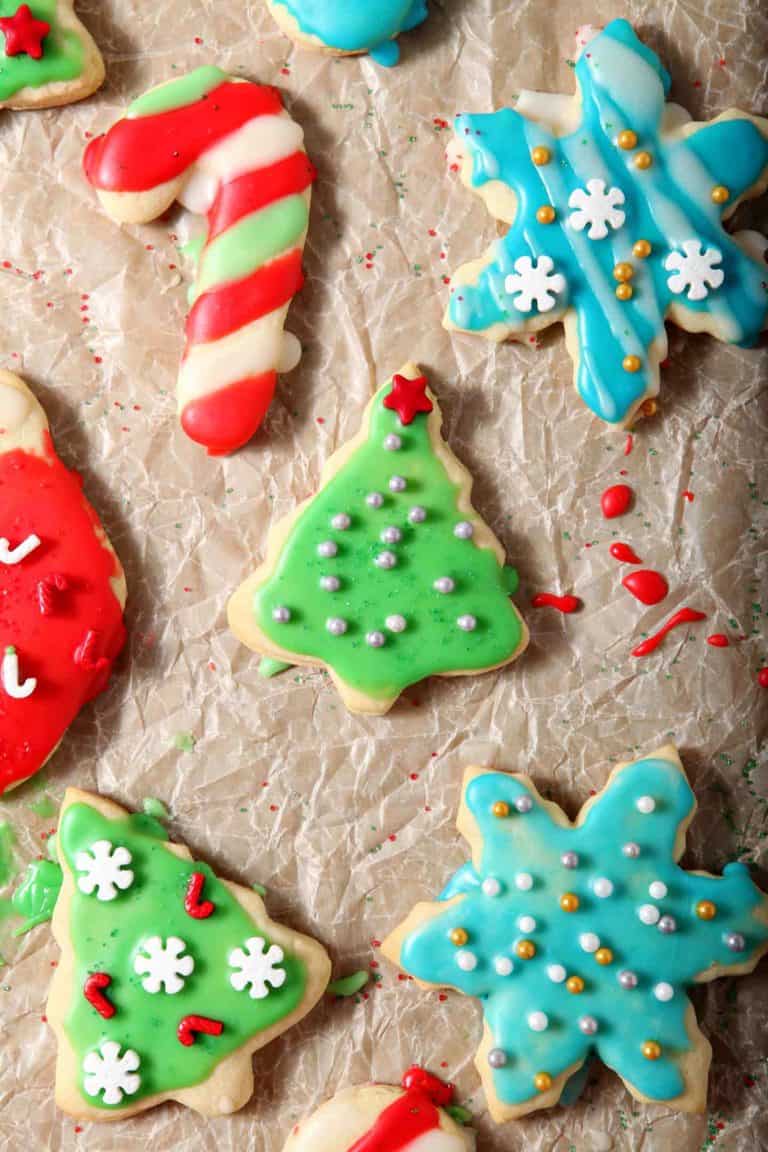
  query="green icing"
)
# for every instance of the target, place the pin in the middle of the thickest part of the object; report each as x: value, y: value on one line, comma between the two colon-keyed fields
x: 35, y: 898
x: 44, y: 807
x: 7, y: 865
x: 269, y: 667
x: 432, y: 642
x: 251, y: 242
x: 349, y: 985
x: 106, y: 936
x: 62, y: 57
x: 155, y: 808
x: 177, y: 93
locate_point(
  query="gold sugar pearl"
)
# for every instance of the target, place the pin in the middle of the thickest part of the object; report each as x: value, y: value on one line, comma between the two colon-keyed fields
x: 641, y: 249
x: 604, y: 956
x: 706, y: 910
x: 631, y: 363
x: 575, y: 984
x: 643, y: 160
x: 500, y: 809
x: 623, y: 271
x: 545, y: 214
x: 651, y: 1050
x: 541, y: 155
x: 542, y: 1081
x: 627, y: 140
x: 720, y: 194
x: 569, y: 902
x: 458, y: 936
x: 525, y: 949
x: 624, y: 292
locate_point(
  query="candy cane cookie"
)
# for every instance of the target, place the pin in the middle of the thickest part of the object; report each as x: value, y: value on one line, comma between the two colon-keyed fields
x: 227, y: 149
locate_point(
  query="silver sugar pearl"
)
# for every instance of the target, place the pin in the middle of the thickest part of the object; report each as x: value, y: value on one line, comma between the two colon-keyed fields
x: 464, y: 530
x: 341, y: 522
x: 396, y: 623
x: 587, y: 1025
x: 375, y: 639
x: 467, y: 623
x: 385, y: 560
x: 330, y: 583
x: 627, y: 979
x: 523, y: 804
x: 735, y: 942
x: 630, y: 850
x: 281, y: 615
x: 392, y: 443
x: 327, y: 549
x: 417, y: 515
x: 391, y: 536
x: 497, y: 1058
x: 569, y: 860
x: 444, y: 584
x: 667, y: 925
x: 398, y: 484
x: 336, y: 625
x: 374, y: 499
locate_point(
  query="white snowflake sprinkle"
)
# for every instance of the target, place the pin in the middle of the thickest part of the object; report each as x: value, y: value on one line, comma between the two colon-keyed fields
x: 534, y: 283
x: 163, y: 965
x: 597, y: 208
x: 257, y: 968
x: 110, y: 1075
x: 694, y: 269
x: 104, y: 869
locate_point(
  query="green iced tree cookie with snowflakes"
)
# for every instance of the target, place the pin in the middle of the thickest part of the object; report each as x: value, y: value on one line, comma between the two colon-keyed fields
x: 169, y: 977
x: 46, y: 55
x: 387, y: 575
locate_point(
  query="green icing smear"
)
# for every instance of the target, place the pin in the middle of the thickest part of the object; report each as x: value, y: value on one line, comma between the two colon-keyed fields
x: 154, y: 807
x: 7, y: 865
x: 460, y: 1114
x: 269, y: 667
x: 177, y: 93
x: 349, y: 985
x: 62, y: 57
x: 44, y: 807
x: 432, y: 642
x: 106, y: 936
x: 253, y: 241
x: 36, y: 896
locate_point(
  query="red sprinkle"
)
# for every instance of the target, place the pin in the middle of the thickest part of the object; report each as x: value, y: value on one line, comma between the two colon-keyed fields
x: 684, y: 616
x: 688, y: 496
x: 647, y: 586
x: 628, y: 444
x: 615, y: 501
x: 762, y: 677
x: 93, y: 990
x: 718, y: 640
x: 193, y: 906
x: 189, y: 1026
x: 624, y: 554
x: 566, y: 604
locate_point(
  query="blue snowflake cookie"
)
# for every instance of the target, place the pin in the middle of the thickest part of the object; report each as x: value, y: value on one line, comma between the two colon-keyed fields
x: 350, y: 26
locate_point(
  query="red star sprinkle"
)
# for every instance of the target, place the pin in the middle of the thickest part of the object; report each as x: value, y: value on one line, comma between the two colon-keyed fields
x: 408, y: 397
x: 23, y: 33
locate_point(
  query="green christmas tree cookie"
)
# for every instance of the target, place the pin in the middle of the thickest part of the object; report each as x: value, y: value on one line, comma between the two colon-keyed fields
x: 387, y: 575
x: 47, y: 57
x: 169, y: 978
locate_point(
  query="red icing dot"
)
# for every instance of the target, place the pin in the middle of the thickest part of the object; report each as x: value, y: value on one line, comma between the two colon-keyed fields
x: 624, y: 554
x: 718, y: 640
x: 762, y: 677
x: 615, y: 501
x: 646, y: 586
x: 687, y: 495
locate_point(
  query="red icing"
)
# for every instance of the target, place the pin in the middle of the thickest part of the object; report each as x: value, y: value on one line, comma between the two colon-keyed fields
x: 629, y: 444
x: 93, y: 990
x: 762, y: 677
x: 615, y: 501
x: 646, y: 586
x: 23, y: 33
x: 565, y: 604
x: 684, y: 616
x: 48, y: 600
x: 718, y: 640
x: 410, y: 1116
x: 224, y: 310
x: 408, y: 397
x: 624, y: 554
x: 39, y: 495
x: 140, y: 153
x: 190, y: 1026
x: 255, y: 190
x: 193, y: 905
x: 225, y: 420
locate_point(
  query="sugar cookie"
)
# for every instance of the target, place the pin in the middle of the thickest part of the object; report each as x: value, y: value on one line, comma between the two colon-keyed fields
x: 46, y: 55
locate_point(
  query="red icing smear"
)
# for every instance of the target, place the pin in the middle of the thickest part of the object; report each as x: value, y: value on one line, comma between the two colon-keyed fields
x: 629, y: 444
x: 410, y: 1116
x: 646, y: 586
x: 684, y: 616
x: 226, y: 420
x: 762, y: 677
x: 190, y: 1026
x: 615, y: 501
x: 138, y: 154
x: 624, y: 554
x: 718, y: 640
x: 93, y: 990
x: 566, y: 604
x: 193, y: 905
x: 39, y: 495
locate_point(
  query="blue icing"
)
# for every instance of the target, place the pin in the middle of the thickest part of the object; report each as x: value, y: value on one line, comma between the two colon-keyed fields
x: 533, y: 843
x: 356, y: 26
x: 669, y: 204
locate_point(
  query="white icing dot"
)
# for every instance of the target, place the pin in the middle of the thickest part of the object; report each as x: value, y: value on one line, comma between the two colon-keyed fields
x: 375, y: 639
x: 491, y: 886
x: 330, y: 583
x: 385, y: 560
x: 396, y: 623
x: 648, y: 913
x: 374, y: 499
x: 327, y: 549
x: 466, y: 960
x: 392, y: 443
x: 444, y: 584
x: 503, y: 965
x: 538, y: 1021
x: 524, y: 881
x: 341, y: 522
x: 336, y: 625
x: 398, y: 484
x: 602, y: 887
x: 526, y: 924
x: 645, y: 804
x: 589, y: 942
x: 657, y: 890
x: 417, y: 515
x: 391, y: 535
x: 663, y: 991
x: 467, y: 623
x: 556, y: 973
x: 281, y: 614
x: 464, y: 530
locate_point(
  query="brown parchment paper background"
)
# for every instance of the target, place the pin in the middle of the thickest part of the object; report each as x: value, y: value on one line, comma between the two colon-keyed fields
x: 348, y: 821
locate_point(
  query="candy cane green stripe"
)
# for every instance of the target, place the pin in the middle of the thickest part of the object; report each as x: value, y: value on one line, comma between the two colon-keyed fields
x: 178, y: 93
x: 252, y: 242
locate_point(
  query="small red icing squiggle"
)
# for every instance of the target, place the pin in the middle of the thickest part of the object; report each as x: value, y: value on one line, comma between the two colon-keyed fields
x: 190, y: 1026
x: 410, y: 1116
x: 94, y: 989
x: 684, y: 616
x: 566, y: 604
x: 629, y: 444
x: 624, y: 554
x: 193, y: 906
x: 718, y: 640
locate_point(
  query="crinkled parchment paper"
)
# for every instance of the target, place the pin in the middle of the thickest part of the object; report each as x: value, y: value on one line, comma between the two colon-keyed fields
x: 348, y: 821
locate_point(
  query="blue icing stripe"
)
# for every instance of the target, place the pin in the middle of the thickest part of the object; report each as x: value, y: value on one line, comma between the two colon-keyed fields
x: 633, y: 900
x: 693, y: 263
x: 355, y: 26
